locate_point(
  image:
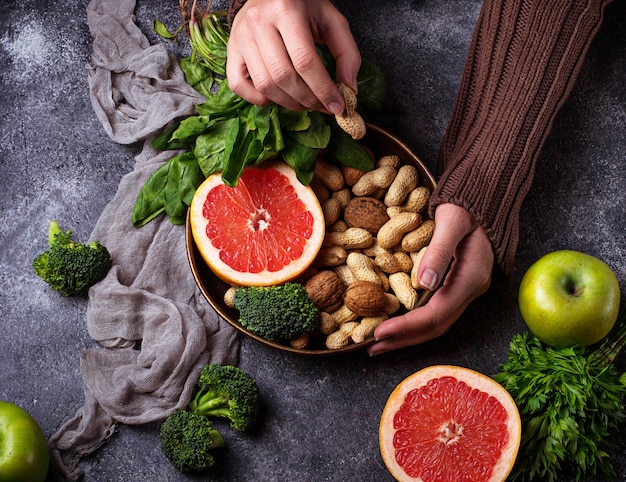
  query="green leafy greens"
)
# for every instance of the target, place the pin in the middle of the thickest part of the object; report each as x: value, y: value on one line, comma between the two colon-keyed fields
x: 230, y: 134
x: 571, y: 402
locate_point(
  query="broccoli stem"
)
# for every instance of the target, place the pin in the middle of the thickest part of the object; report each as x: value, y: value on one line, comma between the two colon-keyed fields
x: 209, y: 403
x: 53, y: 230
x: 217, y: 440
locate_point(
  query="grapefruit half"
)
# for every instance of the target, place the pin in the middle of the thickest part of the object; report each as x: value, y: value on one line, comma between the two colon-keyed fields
x: 265, y: 231
x: 447, y: 423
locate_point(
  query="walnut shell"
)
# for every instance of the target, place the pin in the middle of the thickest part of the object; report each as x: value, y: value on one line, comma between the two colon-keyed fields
x: 366, y: 212
x: 365, y: 298
x: 326, y: 290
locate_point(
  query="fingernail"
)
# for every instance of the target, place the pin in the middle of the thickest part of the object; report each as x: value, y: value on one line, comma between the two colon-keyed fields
x: 335, y: 107
x: 429, y: 280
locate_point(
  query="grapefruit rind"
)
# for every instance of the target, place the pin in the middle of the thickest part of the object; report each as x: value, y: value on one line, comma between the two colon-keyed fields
x: 211, y: 256
x: 475, y: 380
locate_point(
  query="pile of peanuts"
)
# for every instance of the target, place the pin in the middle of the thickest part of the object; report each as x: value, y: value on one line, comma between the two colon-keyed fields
x: 367, y: 250
x: 376, y: 234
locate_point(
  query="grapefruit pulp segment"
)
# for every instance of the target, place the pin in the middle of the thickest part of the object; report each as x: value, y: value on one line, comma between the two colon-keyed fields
x: 265, y: 231
x: 447, y: 423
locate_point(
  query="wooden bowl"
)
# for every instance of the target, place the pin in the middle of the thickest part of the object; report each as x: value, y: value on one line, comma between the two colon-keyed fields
x: 213, y: 288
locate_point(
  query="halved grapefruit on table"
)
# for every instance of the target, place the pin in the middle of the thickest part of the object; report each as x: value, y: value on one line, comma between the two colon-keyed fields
x: 448, y: 423
x: 265, y: 231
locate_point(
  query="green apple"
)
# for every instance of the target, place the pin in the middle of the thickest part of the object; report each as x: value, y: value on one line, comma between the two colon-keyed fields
x: 567, y: 298
x: 24, y: 454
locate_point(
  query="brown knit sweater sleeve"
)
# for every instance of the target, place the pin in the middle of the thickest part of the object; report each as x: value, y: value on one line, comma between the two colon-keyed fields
x: 522, y: 63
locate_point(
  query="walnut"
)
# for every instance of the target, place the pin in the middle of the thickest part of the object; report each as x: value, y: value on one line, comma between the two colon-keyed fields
x: 365, y: 298
x: 326, y: 290
x: 367, y: 213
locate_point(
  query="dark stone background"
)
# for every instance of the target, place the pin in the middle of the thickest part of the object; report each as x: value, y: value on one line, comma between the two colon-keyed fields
x: 320, y: 414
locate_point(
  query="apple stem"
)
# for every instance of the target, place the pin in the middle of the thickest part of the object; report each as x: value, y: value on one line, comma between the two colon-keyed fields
x: 611, y: 347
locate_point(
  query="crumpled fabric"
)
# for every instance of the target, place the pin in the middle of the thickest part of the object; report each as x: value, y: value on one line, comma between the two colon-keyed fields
x: 154, y: 328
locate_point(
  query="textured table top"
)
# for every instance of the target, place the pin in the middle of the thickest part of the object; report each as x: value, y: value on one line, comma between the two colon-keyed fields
x: 320, y: 417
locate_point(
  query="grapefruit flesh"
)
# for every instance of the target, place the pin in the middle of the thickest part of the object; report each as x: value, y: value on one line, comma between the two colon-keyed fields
x: 448, y: 423
x: 265, y: 231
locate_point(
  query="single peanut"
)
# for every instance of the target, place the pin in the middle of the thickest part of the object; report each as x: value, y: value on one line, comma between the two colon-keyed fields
x: 417, y: 200
x: 392, y: 232
x: 392, y: 304
x: 366, y: 328
x: 416, y: 257
x: 405, y: 181
x: 321, y: 191
x: 341, y: 337
x: 351, y: 175
x: 343, y: 315
x: 375, y: 249
x: 332, y: 256
x: 384, y: 281
x: 338, y: 226
x: 349, y: 98
x: 343, y: 196
x: 350, y: 120
x: 332, y: 210
x: 362, y: 267
x: 392, y: 263
x: 381, y: 177
x: 351, y: 238
x: 327, y: 323
x: 300, y: 342
x: 391, y: 160
x: 354, y: 125
x: 229, y: 296
x: 420, y: 237
x: 335, y: 205
x: 345, y: 274
x: 400, y: 283
x: 329, y: 174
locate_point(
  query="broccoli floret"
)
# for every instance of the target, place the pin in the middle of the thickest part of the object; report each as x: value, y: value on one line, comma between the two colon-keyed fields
x: 188, y: 439
x: 69, y: 267
x: 229, y: 392
x: 276, y: 313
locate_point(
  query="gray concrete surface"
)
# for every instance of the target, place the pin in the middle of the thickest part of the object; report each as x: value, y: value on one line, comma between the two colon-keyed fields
x: 320, y: 415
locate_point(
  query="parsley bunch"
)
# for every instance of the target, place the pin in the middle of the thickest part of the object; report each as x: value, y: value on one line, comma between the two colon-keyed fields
x: 571, y: 401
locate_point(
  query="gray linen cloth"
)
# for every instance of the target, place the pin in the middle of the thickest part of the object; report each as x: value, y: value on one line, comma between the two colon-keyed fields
x: 154, y: 328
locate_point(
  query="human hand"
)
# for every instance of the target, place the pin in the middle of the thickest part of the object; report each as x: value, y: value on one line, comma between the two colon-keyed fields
x: 272, y: 57
x: 457, y: 236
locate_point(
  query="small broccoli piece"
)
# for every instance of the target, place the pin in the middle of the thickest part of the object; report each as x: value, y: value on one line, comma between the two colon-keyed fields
x: 188, y: 439
x: 69, y: 267
x: 276, y: 313
x: 228, y: 392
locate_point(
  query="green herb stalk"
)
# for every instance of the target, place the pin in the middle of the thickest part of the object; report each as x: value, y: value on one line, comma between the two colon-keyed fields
x: 571, y: 402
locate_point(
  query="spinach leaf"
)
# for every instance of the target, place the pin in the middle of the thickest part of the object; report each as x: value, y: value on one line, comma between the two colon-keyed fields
x: 317, y: 135
x: 150, y: 201
x: 348, y: 151
x: 209, y: 147
x: 197, y: 75
x: 301, y: 158
x: 190, y: 128
x: 162, y: 141
x: 221, y: 104
x: 372, y: 86
x: 183, y: 178
x: 294, y: 120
